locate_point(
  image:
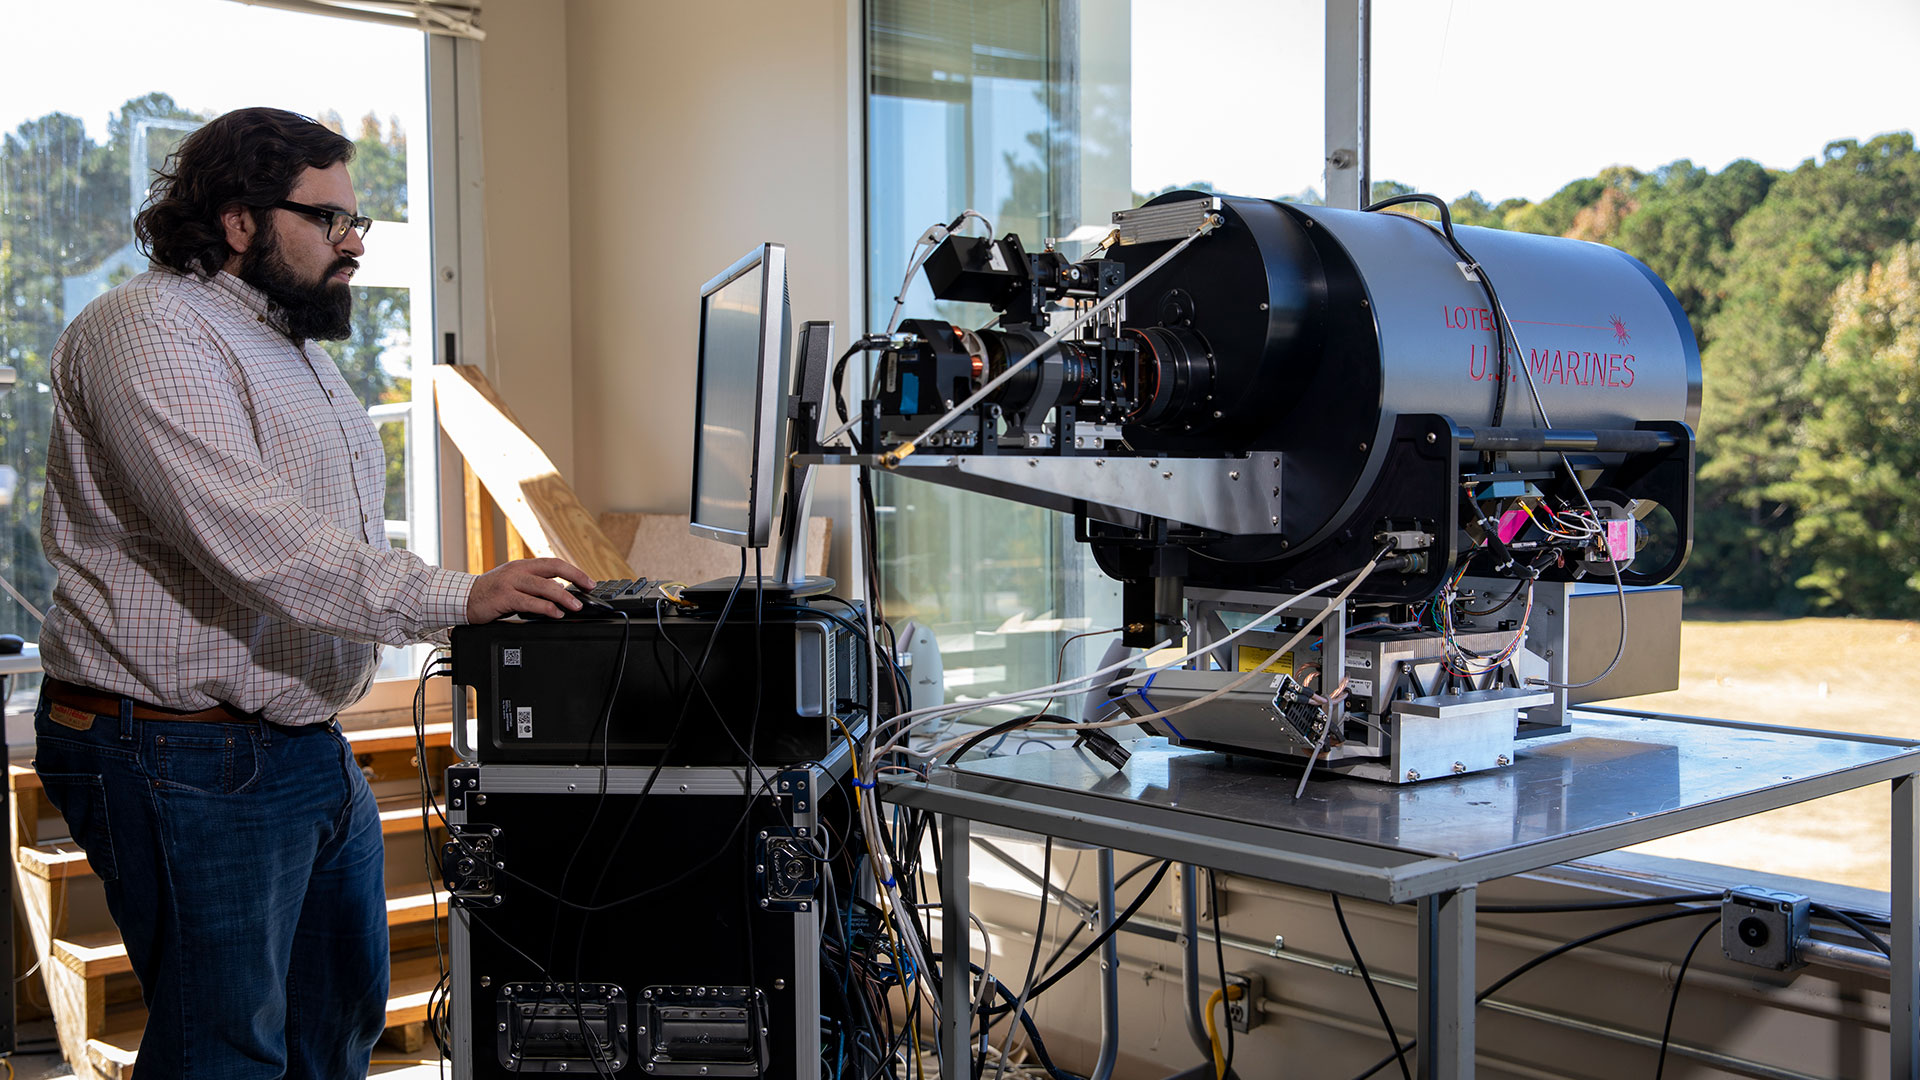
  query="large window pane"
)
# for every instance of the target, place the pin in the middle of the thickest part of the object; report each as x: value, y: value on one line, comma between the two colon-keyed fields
x: 75, y: 161
x: 1784, y: 221
x: 1018, y: 111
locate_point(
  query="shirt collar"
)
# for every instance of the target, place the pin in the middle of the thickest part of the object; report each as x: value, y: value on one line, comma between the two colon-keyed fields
x: 252, y: 299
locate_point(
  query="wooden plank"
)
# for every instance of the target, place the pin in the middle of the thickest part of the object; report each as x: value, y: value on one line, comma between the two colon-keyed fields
x: 482, y: 553
x: 519, y: 475
x: 79, y: 1010
x: 375, y: 740
x: 59, y: 862
x: 53, y: 862
x: 101, y: 953
x: 112, y: 1051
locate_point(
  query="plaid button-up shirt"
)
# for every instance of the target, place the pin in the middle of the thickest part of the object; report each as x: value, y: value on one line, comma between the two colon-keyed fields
x: 215, y: 508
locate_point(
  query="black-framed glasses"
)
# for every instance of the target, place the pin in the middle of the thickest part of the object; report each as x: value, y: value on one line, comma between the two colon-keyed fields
x: 338, y: 221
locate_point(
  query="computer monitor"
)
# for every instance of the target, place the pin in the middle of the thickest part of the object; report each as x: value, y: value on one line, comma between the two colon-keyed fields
x: 739, y: 442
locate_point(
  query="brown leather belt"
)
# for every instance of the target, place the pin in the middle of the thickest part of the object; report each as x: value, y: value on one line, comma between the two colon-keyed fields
x: 100, y: 703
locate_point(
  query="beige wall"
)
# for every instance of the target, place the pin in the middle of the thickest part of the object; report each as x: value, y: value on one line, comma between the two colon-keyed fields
x: 529, y: 318
x: 632, y: 150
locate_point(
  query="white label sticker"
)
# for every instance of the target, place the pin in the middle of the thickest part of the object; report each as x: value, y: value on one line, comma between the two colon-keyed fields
x: 1363, y: 661
x: 1360, y: 687
x: 523, y: 723
x: 510, y: 657
x: 995, y: 258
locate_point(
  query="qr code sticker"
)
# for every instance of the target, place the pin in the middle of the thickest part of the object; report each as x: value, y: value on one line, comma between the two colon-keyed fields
x: 510, y: 657
x: 523, y: 723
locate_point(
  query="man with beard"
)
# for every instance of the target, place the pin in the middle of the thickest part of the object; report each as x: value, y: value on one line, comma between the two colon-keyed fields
x: 215, y: 511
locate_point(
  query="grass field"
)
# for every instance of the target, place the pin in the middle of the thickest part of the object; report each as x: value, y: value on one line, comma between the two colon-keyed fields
x: 1838, y: 674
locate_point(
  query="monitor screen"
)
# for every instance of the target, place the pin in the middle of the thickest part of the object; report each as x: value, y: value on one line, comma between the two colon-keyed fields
x: 739, y: 440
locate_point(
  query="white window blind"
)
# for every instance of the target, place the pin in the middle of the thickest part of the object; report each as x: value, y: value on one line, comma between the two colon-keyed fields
x: 452, y: 18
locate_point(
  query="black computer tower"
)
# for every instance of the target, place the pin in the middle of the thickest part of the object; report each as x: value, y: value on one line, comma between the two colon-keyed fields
x: 543, y: 688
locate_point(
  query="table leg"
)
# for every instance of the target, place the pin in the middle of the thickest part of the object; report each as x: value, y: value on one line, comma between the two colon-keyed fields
x: 956, y: 1008
x: 1190, y: 957
x: 1903, y: 1022
x: 1446, y: 985
x: 1109, y: 977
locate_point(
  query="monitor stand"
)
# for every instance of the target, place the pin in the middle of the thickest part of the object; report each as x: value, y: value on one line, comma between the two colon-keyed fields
x: 713, y: 594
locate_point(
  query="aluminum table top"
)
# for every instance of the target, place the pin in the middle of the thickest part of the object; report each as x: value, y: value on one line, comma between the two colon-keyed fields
x: 1614, y: 780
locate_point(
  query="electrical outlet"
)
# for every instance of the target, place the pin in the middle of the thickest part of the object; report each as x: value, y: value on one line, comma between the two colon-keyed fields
x: 1245, y: 1014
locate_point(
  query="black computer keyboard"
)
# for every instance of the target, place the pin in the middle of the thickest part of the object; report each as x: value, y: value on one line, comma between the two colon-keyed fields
x: 608, y: 599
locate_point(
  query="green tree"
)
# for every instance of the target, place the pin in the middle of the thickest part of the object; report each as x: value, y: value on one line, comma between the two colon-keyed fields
x: 1558, y: 213
x: 1817, y: 224
x: 1856, y: 492
x: 1683, y: 229
x: 66, y: 212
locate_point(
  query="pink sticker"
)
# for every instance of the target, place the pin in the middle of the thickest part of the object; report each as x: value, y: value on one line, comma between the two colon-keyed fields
x: 1511, y: 523
x: 1620, y: 539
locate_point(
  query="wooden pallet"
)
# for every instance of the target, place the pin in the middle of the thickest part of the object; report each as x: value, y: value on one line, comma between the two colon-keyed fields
x: 95, y: 999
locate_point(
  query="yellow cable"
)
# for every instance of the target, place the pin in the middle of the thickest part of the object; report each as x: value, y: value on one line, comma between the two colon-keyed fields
x: 9, y: 1062
x: 1231, y: 993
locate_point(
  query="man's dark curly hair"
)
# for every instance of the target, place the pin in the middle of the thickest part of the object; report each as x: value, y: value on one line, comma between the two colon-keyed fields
x: 249, y: 157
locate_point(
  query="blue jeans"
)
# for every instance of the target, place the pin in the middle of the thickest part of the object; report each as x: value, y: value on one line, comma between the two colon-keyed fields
x: 244, y: 865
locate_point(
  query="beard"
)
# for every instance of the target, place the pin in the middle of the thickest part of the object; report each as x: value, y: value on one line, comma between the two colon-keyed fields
x: 321, y: 310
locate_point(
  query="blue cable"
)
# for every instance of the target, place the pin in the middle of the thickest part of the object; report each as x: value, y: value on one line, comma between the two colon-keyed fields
x: 1151, y: 707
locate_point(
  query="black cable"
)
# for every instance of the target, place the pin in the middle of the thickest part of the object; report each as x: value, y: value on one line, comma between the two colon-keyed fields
x: 1003, y: 728
x: 752, y: 767
x: 1393, y: 1037
x: 1853, y: 924
x: 901, y: 686
x: 1080, y: 924
x: 1666, y: 1033
x: 1033, y: 958
x: 1100, y: 938
x: 1497, y: 608
x: 1603, y: 905
x: 1550, y: 954
x: 1501, y: 330
x: 1220, y: 958
x: 1033, y: 1032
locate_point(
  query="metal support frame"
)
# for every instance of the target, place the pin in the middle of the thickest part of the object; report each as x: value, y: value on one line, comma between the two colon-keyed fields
x: 1903, y: 983
x: 1363, y: 848
x: 1190, y: 956
x: 956, y: 1008
x: 1349, y: 73
x: 1446, y: 985
x: 1109, y: 976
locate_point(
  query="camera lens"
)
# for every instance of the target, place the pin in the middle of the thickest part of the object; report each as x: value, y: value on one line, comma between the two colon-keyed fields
x: 1754, y: 932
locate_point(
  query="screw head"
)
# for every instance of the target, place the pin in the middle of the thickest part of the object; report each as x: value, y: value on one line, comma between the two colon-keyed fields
x: 1431, y: 437
x: 1412, y: 775
x: 1235, y: 475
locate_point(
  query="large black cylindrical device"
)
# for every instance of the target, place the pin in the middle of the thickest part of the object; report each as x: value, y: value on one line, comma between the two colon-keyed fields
x: 1322, y: 326
x: 1312, y: 331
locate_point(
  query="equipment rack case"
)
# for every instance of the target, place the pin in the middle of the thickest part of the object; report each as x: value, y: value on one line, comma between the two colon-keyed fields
x: 710, y: 969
